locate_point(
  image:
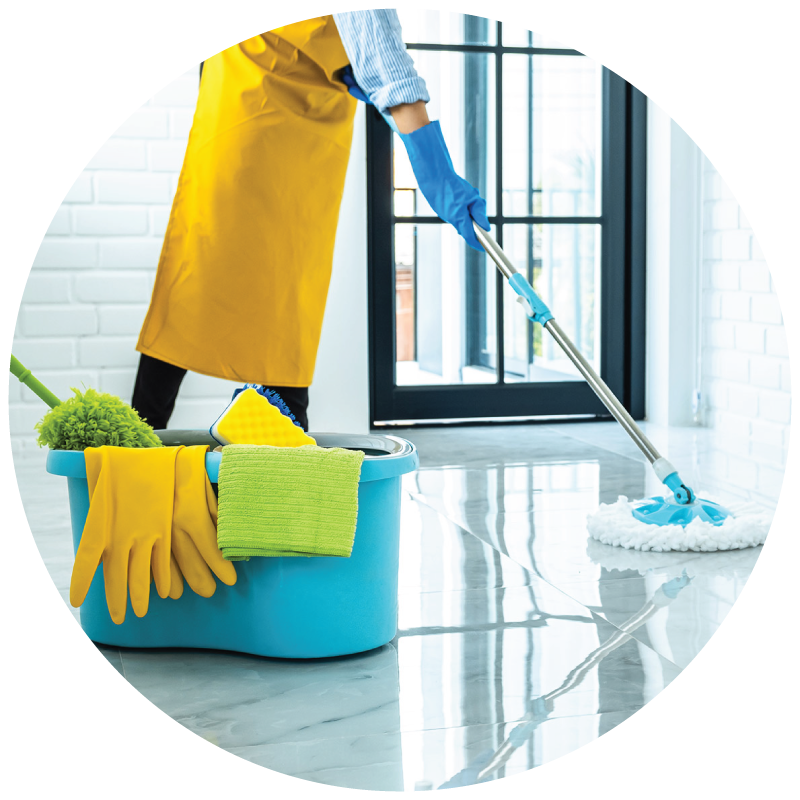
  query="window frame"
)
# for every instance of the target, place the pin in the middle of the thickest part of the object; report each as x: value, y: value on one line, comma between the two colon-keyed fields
x: 622, y: 270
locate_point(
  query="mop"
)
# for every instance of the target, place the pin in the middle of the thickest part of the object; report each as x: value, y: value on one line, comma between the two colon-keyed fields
x: 681, y: 521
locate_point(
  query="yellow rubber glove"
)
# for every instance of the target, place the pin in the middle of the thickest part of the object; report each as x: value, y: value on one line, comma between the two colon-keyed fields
x: 194, y: 525
x: 175, y: 578
x: 129, y: 526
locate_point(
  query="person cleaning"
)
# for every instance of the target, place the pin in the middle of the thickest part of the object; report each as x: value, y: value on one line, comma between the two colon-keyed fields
x: 243, y: 276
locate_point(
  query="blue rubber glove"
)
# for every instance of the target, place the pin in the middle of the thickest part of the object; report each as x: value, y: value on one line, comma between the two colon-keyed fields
x: 353, y: 87
x: 454, y: 199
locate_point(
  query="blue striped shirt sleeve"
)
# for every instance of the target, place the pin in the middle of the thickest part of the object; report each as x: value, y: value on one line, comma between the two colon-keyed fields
x: 382, y: 67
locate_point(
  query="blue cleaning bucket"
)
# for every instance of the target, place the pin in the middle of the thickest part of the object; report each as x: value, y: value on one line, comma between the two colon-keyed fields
x: 280, y: 607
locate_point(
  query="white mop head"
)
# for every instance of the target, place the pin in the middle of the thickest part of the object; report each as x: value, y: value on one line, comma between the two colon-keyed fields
x: 615, y: 524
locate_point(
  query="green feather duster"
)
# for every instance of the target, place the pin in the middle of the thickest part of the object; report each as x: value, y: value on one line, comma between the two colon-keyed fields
x: 94, y: 419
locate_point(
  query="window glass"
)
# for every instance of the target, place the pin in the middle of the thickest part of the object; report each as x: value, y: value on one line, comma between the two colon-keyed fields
x: 551, y: 136
x: 562, y: 262
x: 442, y: 27
x: 467, y: 120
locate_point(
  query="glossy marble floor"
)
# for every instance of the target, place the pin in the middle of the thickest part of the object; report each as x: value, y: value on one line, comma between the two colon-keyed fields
x: 519, y: 639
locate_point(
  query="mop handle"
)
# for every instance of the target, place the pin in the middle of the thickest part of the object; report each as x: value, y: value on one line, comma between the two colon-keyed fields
x: 539, y: 312
x: 26, y: 376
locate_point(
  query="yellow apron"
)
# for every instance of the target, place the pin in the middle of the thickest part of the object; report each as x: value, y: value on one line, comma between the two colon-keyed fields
x: 246, y: 262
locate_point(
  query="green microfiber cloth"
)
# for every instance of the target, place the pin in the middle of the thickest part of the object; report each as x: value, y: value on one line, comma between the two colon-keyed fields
x: 287, y: 501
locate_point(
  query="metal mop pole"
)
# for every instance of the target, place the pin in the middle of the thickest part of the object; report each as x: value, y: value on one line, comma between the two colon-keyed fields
x: 539, y: 312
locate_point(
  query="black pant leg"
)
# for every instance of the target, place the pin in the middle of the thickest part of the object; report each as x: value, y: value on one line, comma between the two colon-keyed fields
x: 296, y: 400
x: 155, y: 390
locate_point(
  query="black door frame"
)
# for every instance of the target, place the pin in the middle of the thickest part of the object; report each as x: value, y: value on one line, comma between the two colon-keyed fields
x: 622, y: 286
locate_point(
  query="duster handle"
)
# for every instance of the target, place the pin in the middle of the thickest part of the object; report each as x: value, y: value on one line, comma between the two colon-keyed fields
x: 37, y: 387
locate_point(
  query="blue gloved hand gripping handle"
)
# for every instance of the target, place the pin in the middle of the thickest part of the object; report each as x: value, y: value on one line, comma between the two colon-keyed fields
x: 454, y: 199
x: 537, y: 311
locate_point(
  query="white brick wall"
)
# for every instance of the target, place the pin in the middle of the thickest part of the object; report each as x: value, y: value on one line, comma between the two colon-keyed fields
x: 745, y: 365
x: 90, y: 283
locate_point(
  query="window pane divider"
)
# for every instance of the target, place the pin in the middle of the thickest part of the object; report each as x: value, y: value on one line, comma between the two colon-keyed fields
x: 492, y: 48
x: 503, y: 220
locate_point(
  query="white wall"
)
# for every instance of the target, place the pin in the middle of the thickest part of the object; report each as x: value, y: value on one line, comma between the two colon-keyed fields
x: 339, y: 396
x: 745, y: 360
x: 90, y: 283
x: 716, y: 345
x: 673, y: 264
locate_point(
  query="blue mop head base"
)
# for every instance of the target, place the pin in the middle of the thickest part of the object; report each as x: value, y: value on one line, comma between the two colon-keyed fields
x: 645, y: 525
x: 667, y: 511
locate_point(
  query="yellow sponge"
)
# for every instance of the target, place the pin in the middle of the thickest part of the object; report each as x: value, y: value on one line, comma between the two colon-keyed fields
x: 252, y: 419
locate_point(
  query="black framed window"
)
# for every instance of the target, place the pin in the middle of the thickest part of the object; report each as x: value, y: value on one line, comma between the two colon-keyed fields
x: 556, y: 145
